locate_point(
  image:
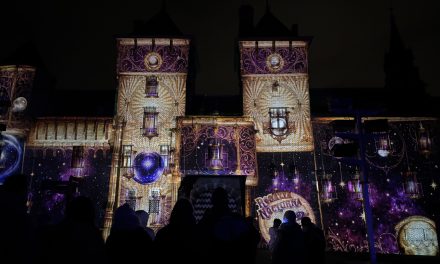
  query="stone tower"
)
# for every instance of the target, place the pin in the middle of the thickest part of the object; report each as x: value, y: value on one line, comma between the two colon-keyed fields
x: 152, y: 66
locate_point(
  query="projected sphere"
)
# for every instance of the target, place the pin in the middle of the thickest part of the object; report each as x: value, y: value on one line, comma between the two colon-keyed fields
x: 10, y: 156
x: 149, y: 167
x: 19, y: 104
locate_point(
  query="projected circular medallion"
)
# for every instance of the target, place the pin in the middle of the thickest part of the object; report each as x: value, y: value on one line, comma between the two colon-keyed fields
x: 417, y: 236
x: 19, y: 104
x: 274, y: 62
x: 274, y: 205
x: 153, y: 61
x: 149, y: 167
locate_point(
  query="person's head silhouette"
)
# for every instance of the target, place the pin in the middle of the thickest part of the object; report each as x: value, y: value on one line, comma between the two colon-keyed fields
x: 143, y: 217
x: 306, y: 223
x: 289, y: 217
x: 276, y: 223
x: 182, y: 213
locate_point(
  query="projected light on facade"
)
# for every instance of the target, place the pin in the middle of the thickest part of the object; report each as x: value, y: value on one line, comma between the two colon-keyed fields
x: 274, y: 205
x: 11, y: 155
x: 149, y: 167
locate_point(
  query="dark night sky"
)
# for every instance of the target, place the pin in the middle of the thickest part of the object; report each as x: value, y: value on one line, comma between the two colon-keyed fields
x: 76, y: 40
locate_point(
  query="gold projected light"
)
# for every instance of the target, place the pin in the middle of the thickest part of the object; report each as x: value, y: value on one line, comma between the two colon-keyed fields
x: 417, y: 236
x: 292, y: 94
x: 274, y: 206
x: 276, y: 94
x: 151, y: 94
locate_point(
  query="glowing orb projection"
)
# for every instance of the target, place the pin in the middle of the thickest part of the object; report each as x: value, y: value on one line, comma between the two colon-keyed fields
x: 417, y: 236
x: 19, y: 104
x: 153, y: 61
x: 149, y: 167
x: 274, y: 205
x: 274, y: 62
x: 10, y: 156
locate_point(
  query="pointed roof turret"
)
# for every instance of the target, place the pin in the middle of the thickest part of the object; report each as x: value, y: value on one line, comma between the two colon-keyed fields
x: 27, y: 54
x: 270, y: 26
x: 159, y: 25
x: 401, y: 75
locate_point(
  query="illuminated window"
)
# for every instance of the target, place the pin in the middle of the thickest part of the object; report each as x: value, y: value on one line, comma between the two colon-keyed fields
x: 278, y: 120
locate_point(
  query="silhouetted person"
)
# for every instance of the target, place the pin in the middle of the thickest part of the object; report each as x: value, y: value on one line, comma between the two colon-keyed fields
x: 178, y: 237
x: 223, y: 233
x: 273, y: 232
x: 289, y: 246
x: 253, y: 239
x: 76, y: 239
x: 15, y: 225
x: 143, y: 221
x: 128, y: 242
x: 314, y: 241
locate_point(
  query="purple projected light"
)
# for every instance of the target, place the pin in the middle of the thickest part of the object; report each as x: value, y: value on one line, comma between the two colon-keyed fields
x: 149, y: 167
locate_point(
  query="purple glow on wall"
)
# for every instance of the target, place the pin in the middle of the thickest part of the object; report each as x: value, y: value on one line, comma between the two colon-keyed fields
x: 254, y: 60
x: 131, y: 58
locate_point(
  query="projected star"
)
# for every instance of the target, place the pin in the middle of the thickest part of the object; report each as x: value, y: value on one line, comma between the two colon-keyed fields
x: 362, y: 216
x: 434, y: 185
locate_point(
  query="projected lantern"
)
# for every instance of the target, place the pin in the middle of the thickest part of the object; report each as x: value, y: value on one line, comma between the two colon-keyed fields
x: 151, y: 86
x: 424, y: 141
x: 296, y: 176
x: 130, y: 198
x: 278, y: 123
x: 77, y: 162
x: 275, y: 89
x: 77, y: 157
x: 154, y: 202
x: 383, y: 144
x: 127, y: 161
x: 171, y: 158
x: 276, y: 182
x: 164, y: 153
x: 215, y: 154
x: 149, y: 126
x: 328, y: 189
x: 355, y: 186
x: 411, y: 186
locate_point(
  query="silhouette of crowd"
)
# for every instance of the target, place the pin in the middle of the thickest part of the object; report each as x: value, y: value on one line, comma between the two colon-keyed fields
x: 221, y: 236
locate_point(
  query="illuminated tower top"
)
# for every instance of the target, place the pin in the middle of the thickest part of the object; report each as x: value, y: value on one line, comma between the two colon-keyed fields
x: 274, y: 75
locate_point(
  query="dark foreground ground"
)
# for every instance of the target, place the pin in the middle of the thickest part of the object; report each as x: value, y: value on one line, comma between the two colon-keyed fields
x: 263, y: 257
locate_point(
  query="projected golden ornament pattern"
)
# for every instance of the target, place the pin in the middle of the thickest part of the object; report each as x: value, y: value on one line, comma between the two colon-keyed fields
x: 292, y: 93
